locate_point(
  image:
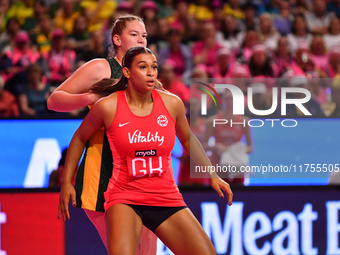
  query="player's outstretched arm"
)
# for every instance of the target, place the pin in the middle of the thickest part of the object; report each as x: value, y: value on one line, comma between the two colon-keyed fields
x: 99, y: 116
x: 191, y: 144
x: 74, y: 93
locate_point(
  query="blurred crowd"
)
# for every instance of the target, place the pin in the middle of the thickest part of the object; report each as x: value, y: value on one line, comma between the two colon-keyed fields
x: 42, y: 42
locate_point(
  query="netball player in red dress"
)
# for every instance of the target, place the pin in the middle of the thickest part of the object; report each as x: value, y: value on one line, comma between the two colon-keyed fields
x: 141, y: 123
x: 95, y: 171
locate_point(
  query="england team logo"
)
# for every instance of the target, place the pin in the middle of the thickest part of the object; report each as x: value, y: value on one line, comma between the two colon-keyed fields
x: 162, y: 120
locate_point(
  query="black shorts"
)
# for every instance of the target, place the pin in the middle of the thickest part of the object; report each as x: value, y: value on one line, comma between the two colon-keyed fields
x: 153, y: 216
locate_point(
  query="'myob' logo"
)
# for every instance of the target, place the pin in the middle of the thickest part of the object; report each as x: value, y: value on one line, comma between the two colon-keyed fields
x: 238, y: 99
x: 146, y: 153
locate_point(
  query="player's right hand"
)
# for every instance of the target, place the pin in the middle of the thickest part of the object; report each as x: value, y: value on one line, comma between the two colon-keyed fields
x: 67, y: 192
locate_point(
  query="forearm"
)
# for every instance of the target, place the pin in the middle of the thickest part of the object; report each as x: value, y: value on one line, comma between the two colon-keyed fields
x: 74, y: 153
x: 27, y: 111
x: 62, y: 101
x: 198, y: 155
x: 82, y: 44
x: 319, y: 30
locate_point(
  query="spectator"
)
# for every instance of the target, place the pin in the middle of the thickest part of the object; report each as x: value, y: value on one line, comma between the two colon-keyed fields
x: 223, y: 66
x: 21, y: 10
x: 97, y: 12
x: 240, y: 76
x: 227, y: 36
x: 65, y: 16
x: 4, y: 17
x: 181, y: 18
x: 56, y: 175
x: 319, y: 52
x: 240, y: 71
x: 217, y: 9
x: 247, y: 40
x: 33, y: 95
x: 31, y: 23
x: 148, y: 12
x: 201, y: 10
x: 271, y: 7
x: 312, y: 105
x: 165, y: 8
x: 200, y: 72
x: 180, y: 14
x: 79, y: 40
x: 318, y: 20
x: 250, y: 21
x: 204, y: 51
x: 283, y: 57
x: 317, y: 87
x: 41, y: 39
x: 334, y: 6
x: 163, y: 30
x: 179, y: 53
x: 192, y: 27
x: 302, y: 7
x: 267, y: 33
x: 7, y: 38
x: 168, y: 79
x: 260, y: 63
x: 332, y: 38
x: 284, y: 20
x: 335, y: 112
x: 303, y: 63
x: 333, y: 67
x: 15, y: 61
x: 233, y: 8
x: 124, y: 7
x: 60, y: 60
x: 96, y: 47
x: 8, y: 102
x: 299, y: 33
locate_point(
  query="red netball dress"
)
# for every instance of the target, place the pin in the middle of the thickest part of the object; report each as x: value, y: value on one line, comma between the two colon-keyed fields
x: 141, y: 150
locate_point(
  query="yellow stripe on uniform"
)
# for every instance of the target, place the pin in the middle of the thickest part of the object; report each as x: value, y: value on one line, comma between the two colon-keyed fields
x: 92, y: 171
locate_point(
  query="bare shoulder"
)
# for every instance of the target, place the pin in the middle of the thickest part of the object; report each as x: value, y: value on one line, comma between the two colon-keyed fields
x: 173, y: 104
x: 170, y: 100
x: 97, y: 67
x: 106, y: 108
x: 108, y: 103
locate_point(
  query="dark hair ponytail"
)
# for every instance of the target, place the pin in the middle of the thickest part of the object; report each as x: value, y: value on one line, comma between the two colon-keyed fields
x: 106, y: 86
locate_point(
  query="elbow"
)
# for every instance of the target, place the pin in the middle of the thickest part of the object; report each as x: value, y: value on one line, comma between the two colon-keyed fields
x: 50, y: 103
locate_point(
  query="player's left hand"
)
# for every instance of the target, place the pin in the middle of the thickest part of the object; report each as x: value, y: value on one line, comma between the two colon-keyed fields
x: 218, y: 184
